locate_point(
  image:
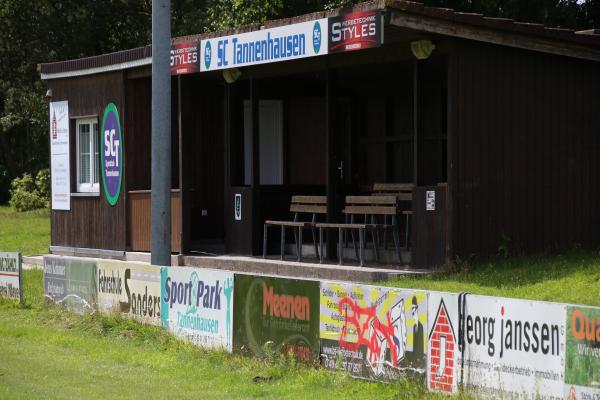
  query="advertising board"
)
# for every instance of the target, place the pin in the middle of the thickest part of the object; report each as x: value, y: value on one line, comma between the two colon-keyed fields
x: 71, y: 283
x: 10, y: 276
x: 60, y: 169
x: 277, y: 315
x: 355, y: 31
x: 131, y: 289
x: 197, y: 305
x: 283, y: 43
x: 582, y: 369
x: 514, y: 348
x: 373, y: 332
x: 185, y: 58
x: 443, y: 358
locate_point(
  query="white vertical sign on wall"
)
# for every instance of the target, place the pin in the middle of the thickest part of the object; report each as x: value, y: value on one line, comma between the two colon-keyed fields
x: 59, y: 155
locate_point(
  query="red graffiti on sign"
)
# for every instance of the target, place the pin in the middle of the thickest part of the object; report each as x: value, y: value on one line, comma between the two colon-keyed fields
x: 376, y: 335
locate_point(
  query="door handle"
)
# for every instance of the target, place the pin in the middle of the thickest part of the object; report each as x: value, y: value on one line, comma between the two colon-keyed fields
x: 341, y: 169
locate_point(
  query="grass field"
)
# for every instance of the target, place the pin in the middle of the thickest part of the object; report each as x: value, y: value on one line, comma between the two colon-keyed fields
x: 27, y: 232
x: 49, y: 354
x: 570, y: 278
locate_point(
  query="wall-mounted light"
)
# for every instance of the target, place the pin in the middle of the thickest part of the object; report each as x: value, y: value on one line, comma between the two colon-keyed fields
x: 48, y: 95
x: 422, y: 49
x: 231, y: 75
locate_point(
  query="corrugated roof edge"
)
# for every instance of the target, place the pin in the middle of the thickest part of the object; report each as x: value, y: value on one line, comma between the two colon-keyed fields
x: 588, y: 38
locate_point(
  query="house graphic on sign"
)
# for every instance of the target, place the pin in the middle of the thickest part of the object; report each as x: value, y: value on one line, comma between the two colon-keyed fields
x: 442, y: 342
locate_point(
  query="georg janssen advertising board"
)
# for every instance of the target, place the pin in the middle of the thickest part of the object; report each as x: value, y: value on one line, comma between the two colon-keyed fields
x: 373, y: 332
x: 130, y: 288
x: 275, y: 315
x: 514, y: 347
x: 197, y: 305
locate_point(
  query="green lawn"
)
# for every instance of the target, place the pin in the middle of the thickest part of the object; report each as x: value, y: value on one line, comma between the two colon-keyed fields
x: 47, y: 353
x: 570, y: 278
x: 27, y: 232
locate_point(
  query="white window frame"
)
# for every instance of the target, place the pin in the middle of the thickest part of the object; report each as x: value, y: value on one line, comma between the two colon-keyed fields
x: 88, y: 187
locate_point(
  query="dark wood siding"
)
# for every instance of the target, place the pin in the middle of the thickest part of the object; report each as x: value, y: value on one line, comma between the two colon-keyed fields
x: 91, y: 222
x: 525, y: 145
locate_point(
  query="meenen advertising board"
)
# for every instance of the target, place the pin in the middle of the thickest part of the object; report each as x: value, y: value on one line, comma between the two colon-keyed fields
x: 289, y: 42
x: 373, y: 332
x: 514, y: 348
x: 10, y: 276
x: 197, y: 305
x: 582, y: 370
x: 60, y: 170
x: 71, y: 283
x: 277, y: 315
x: 131, y: 289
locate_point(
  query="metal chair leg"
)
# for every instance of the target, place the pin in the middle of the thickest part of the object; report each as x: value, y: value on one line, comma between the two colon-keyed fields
x: 299, y: 243
x: 361, y: 238
x: 314, y: 238
x: 321, y: 245
x: 396, y: 238
x: 282, y: 241
x: 353, y: 234
x: 265, y: 241
x: 407, y: 232
x: 375, y: 250
x: 341, y: 254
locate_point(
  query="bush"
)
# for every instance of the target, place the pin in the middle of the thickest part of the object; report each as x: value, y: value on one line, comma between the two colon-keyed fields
x: 27, y: 193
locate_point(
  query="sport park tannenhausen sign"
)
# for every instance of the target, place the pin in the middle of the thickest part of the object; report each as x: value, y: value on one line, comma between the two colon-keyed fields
x: 112, y: 154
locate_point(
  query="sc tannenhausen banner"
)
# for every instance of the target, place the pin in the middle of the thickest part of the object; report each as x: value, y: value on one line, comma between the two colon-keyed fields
x: 131, y: 289
x: 60, y: 169
x: 197, y: 305
x: 71, y: 283
x: 10, y: 276
x: 514, y: 348
x: 582, y: 370
x: 373, y: 332
x: 289, y: 42
x: 277, y: 315
x: 443, y: 357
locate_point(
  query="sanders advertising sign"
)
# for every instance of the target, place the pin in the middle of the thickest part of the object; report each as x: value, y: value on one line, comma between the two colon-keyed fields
x: 289, y: 42
x: 355, y: 31
x: 132, y: 289
x: 373, y: 332
x: 60, y: 170
x: 185, y: 58
x: 197, y: 305
x: 514, y: 347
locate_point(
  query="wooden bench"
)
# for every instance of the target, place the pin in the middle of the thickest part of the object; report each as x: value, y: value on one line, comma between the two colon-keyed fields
x: 366, y: 208
x: 300, y: 206
x: 404, y: 193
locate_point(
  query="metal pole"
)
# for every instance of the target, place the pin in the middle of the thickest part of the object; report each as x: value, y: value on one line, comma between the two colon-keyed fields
x: 161, y: 133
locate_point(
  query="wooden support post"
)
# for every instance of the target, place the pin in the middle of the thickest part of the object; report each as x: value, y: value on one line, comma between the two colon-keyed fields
x: 184, y: 233
x: 332, y: 161
x: 417, y: 115
x: 255, y: 183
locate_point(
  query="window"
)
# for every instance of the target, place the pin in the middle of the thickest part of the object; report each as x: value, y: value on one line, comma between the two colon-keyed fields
x: 87, y: 156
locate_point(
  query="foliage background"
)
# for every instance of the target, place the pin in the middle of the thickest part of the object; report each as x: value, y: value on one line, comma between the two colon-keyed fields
x: 38, y: 31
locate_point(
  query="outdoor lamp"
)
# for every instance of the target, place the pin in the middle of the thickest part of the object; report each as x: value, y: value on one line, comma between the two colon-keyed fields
x: 231, y: 75
x: 422, y: 49
x: 48, y: 96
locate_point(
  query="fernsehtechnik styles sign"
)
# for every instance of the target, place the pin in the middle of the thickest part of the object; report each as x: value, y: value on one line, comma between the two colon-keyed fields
x: 305, y: 39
